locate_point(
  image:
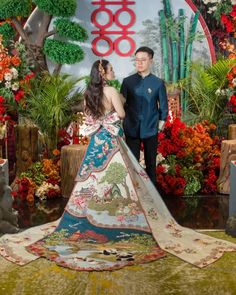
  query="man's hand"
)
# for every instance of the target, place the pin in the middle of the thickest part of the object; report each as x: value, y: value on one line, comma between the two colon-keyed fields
x: 161, y: 125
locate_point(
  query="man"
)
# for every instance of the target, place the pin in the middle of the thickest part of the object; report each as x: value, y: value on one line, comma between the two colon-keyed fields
x: 146, y: 109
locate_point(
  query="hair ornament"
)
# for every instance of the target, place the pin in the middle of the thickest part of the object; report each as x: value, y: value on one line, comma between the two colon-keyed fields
x: 101, y: 69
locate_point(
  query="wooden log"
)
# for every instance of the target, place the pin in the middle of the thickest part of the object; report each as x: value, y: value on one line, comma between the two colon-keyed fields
x: 71, y: 158
x: 232, y: 131
x: 26, y: 147
x: 174, y: 102
x: 228, y: 154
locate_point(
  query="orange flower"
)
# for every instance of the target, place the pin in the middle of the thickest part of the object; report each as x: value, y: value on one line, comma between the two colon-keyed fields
x: 30, y: 198
x: 234, y: 70
x: 15, y: 60
x: 56, y: 152
x: 232, y: 55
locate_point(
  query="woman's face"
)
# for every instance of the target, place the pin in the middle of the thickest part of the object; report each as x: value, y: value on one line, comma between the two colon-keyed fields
x: 110, y: 75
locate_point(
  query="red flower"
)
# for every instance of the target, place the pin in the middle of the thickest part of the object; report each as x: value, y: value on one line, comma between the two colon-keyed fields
x: 160, y: 169
x: 19, y: 94
x: 29, y: 76
x: 14, y: 194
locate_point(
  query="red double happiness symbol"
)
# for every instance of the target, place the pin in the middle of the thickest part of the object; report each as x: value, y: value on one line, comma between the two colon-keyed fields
x: 103, y: 31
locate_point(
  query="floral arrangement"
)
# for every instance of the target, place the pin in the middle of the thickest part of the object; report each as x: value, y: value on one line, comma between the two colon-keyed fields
x: 217, y: 7
x: 41, y: 180
x: 188, y: 158
x: 14, y: 73
x: 231, y: 77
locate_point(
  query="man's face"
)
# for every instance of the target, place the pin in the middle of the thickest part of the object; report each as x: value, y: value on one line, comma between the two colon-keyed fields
x: 143, y: 62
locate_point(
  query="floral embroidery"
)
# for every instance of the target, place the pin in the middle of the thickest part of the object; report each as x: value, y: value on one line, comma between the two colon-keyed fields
x: 173, y: 227
x: 152, y: 213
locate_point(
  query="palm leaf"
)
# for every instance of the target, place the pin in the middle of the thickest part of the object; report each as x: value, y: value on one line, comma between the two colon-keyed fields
x: 202, y: 98
x: 49, y: 101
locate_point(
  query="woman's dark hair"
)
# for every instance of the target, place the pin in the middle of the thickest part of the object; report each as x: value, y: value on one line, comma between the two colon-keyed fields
x: 94, y: 92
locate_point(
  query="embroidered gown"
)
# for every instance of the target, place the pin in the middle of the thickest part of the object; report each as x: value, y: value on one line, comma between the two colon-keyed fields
x: 114, y: 217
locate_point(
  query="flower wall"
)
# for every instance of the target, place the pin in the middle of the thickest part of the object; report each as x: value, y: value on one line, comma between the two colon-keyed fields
x: 14, y: 74
x: 188, y: 158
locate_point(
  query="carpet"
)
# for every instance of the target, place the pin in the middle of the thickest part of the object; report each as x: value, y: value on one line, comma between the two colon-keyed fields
x: 168, y: 275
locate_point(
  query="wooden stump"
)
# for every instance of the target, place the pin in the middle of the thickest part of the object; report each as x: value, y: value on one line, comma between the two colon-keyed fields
x: 71, y: 158
x: 232, y: 131
x: 174, y: 102
x: 26, y: 147
x: 228, y: 154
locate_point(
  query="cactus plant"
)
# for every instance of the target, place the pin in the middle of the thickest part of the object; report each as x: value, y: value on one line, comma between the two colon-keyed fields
x: 173, y: 37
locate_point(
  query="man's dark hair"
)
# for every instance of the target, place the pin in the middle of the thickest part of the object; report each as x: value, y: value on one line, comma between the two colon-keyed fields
x: 149, y: 51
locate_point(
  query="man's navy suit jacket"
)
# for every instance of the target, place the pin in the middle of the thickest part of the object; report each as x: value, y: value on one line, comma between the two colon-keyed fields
x: 146, y: 104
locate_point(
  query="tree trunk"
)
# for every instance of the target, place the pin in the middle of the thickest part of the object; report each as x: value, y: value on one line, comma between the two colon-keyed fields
x: 174, y: 102
x: 26, y: 147
x: 34, y: 46
x: 71, y: 158
x: 228, y: 154
x: 232, y: 131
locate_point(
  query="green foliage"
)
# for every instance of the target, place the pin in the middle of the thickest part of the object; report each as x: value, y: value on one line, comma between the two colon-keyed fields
x: 8, y: 34
x: 71, y: 30
x: 194, y: 178
x: 225, y: 120
x: 204, y: 103
x: 223, y: 7
x: 35, y: 172
x: 48, y: 105
x: 63, y: 8
x: 114, y: 83
x: 63, y: 53
x: 13, y: 8
x: 23, y: 68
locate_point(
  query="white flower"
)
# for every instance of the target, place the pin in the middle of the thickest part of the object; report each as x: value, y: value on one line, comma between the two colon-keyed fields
x: 159, y: 158
x: 218, y: 92
x: 8, y: 84
x: 41, y: 192
x: 234, y: 81
x: 233, y: 2
x: 221, y: 91
x: 8, y: 76
x: 166, y: 168
x: 14, y: 73
x: 209, y: 10
x: 15, y: 86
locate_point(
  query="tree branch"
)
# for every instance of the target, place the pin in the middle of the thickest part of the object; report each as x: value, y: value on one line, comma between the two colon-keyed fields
x: 53, y: 32
x: 57, y: 69
x: 21, y: 30
x: 43, y: 29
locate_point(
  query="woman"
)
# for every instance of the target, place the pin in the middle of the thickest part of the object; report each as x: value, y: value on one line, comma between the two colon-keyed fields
x: 114, y: 217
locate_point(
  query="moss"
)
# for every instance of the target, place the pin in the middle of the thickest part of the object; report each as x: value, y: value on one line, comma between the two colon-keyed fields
x: 8, y: 33
x: 63, y: 53
x: 11, y: 8
x: 71, y: 30
x: 64, y: 8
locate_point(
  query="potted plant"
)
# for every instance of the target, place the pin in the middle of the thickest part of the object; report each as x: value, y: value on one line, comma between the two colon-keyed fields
x: 48, y: 102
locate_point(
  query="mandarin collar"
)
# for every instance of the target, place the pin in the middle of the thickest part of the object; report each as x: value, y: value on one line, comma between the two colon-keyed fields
x: 143, y: 77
